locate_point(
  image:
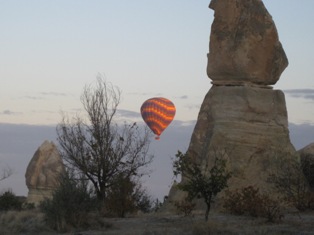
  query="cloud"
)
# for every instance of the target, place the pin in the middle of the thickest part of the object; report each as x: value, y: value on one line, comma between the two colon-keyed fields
x: 148, y: 94
x: 44, y: 95
x: 53, y: 94
x: 128, y: 113
x: 9, y: 112
x: 301, y: 93
x: 33, y: 97
x: 193, y: 106
x: 183, y: 97
x: 178, y: 123
x: 43, y: 111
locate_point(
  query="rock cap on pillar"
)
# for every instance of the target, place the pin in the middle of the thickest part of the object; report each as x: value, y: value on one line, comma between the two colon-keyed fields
x: 244, y: 46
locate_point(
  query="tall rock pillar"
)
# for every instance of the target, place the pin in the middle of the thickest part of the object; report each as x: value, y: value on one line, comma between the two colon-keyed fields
x: 241, y: 114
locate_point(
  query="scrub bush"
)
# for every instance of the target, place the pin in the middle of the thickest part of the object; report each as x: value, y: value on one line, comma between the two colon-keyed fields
x: 249, y: 201
x: 185, y: 206
x: 125, y: 196
x: 69, y: 206
x: 8, y: 201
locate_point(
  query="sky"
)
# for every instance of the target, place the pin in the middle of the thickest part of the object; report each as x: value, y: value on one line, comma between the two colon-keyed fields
x: 49, y: 50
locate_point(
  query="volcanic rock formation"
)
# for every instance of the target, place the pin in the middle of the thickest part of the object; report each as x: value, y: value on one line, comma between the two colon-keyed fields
x: 244, y: 46
x: 241, y: 115
x: 43, y: 173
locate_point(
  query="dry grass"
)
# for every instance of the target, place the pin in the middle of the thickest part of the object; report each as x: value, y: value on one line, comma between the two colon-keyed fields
x: 217, y: 224
x: 31, y: 222
x: 22, y: 222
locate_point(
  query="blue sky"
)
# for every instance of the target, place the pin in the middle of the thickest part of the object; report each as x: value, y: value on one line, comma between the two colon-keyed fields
x: 50, y: 49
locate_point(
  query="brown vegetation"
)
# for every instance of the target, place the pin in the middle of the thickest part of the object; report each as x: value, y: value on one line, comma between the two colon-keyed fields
x: 31, y: 222
x: 249, y: 201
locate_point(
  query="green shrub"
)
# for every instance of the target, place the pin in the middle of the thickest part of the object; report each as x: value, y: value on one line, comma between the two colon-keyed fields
x: 249, y: 201
x: 8, y: 201
x: 69, y: 206
x: 202, y: 180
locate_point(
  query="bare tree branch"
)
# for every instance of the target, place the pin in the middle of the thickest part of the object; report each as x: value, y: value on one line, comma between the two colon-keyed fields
x: 6, y: 173
x: 99, y: 148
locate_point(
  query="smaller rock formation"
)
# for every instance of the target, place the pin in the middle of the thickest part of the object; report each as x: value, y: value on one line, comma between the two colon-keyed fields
x: 307, y: 161
x: 43, y: 173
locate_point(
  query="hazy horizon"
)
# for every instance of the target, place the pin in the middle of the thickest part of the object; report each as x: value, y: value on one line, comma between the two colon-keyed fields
x: 18, y: 143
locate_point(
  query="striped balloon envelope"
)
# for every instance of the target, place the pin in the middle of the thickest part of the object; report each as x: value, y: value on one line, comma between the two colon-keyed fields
x: 158, y: 113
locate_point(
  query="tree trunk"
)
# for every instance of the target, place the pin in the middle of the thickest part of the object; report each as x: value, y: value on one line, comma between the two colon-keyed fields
x: 207, y: 211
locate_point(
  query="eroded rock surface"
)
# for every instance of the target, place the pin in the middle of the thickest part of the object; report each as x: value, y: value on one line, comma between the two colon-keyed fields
x: 242, y: 118
x: 244, y: 44
x: 248, y: 123
x: 43, y: 172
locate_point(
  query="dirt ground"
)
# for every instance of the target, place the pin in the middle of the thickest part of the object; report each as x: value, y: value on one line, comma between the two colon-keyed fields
x: 300, y: 224
x: 31, y: 223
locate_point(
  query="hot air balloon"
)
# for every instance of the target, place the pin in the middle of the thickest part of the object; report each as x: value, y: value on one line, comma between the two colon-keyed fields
x: 158, y: 113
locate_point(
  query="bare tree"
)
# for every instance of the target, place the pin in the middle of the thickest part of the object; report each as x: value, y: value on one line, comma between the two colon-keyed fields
x: 6, y: 173
x: 100, y: 148
x: 287, y: 177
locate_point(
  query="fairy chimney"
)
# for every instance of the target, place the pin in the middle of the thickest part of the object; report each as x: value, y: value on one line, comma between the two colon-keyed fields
x: 43, y: 173
x: 241, y: 115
